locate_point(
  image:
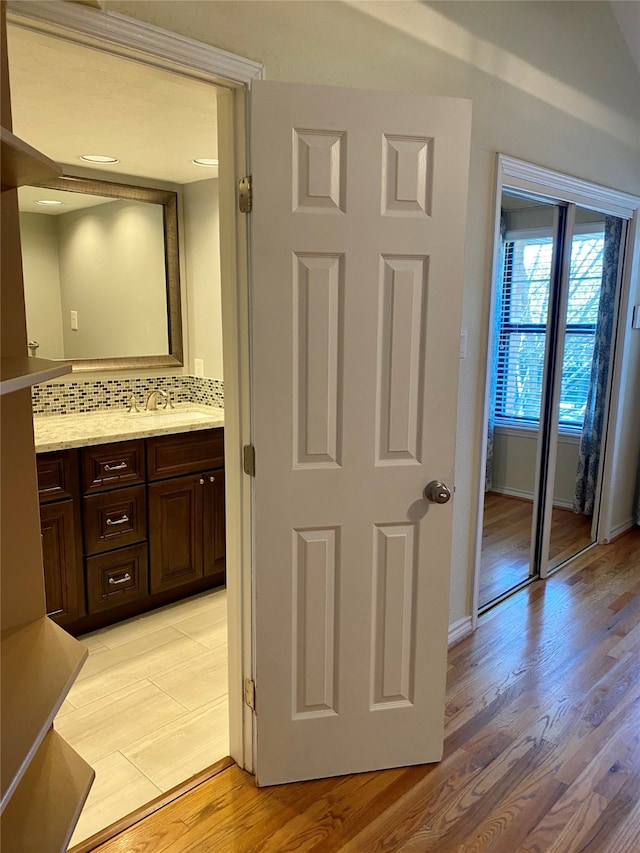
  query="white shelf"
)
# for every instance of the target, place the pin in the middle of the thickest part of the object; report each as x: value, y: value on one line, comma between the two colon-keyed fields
x: 22, y: 165
x: 17, y: 373
x: 40, y: 662
x: 45, y: 808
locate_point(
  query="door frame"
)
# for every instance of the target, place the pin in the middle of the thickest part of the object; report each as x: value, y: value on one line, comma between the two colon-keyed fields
x: 232, y: 75
x: 512, y: 173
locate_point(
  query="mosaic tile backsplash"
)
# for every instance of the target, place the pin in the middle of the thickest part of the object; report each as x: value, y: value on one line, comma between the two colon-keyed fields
x: 55, y: 398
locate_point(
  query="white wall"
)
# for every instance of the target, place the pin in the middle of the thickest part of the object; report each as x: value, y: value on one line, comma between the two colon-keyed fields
x: 625, y: 477
x: 39, y: 239
x: 202, y: 264
x: 552, y: 83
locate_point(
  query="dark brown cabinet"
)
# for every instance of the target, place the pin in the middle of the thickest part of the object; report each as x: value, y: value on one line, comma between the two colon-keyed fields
x: 60, y: 527
x: 131, y: 525
x: 214, y: 526
x: 60, y: 561
x: 186, y: 513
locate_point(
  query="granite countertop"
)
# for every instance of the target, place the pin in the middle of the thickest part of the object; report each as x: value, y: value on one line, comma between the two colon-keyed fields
x: 60, y: 432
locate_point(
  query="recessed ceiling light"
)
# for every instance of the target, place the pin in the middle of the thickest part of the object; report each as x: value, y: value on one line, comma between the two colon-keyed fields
x: 48, y: 201
x: 99, y: 158
x: 204, y: 161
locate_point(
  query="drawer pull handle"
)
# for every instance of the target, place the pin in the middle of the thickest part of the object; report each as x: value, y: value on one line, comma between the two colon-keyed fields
x: 212, y: 479
x: 126, y: 577
x: 122, y: 520
x: 117, y: 467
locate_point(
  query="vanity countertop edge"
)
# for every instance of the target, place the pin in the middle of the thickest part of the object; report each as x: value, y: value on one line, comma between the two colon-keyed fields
x: 63, y: 432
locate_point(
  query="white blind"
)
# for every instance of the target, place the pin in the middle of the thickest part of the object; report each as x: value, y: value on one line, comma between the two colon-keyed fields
x: 523, y: 327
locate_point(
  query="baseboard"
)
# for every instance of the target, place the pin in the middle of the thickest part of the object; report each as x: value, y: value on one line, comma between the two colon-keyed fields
x: 460, y: 629
x: 619, y: 529
x: 527, y: 496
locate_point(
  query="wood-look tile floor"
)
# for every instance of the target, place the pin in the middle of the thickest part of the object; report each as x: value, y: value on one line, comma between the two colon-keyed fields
x: 541, y: 755
x: 149, y: 709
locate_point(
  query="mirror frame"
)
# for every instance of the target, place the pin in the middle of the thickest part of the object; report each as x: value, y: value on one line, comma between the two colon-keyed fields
x: 169, y: 202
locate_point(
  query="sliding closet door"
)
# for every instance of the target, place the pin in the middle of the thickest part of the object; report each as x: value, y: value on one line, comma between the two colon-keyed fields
x: 520, y: 343
x: 554, y: 323
x: 588, y: 326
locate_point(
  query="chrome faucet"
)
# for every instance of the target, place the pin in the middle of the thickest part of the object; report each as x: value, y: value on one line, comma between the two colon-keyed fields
x: 153, y: 400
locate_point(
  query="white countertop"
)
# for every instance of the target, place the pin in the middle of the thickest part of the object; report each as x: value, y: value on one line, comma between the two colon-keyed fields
x: 60, y: 432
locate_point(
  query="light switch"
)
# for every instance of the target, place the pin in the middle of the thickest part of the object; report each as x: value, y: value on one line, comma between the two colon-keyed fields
x: 463, y: 343
x: 198, y: 366
x: 635, y: 323
x: 74, y: 321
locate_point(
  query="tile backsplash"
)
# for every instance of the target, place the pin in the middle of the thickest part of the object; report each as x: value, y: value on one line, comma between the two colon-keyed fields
x: 57, y: 398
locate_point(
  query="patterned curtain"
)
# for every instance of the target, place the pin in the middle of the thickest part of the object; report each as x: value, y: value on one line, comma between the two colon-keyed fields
x: 495, y: 320
x: 592, y: 429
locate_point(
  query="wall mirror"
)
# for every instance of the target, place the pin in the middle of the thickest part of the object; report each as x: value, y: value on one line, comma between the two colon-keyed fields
x: 101, y: 274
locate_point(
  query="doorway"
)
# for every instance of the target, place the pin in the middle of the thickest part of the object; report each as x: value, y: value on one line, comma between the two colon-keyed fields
x: 558, y: 273
x: 87, y: 27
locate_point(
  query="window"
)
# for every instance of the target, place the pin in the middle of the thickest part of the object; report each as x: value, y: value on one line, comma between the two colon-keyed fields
x: 523, y: 318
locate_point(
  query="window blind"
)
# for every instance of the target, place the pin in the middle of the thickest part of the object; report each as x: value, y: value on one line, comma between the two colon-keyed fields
x: 524, y: 302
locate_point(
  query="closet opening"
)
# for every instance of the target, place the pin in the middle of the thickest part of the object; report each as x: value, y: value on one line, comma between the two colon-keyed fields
x: 556, y: 308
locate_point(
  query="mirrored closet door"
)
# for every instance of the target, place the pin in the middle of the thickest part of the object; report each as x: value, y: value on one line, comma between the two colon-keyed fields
x: 556, y: 290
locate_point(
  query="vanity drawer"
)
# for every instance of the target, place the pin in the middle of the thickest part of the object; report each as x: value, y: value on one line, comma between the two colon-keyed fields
x: 116, y: 577
x: 57, y: 475
x: 115, y: 519
x: 186, y: 453
x: 108, y: 466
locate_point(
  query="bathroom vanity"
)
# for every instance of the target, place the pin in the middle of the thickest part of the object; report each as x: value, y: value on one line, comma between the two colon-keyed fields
x: 132, y: 511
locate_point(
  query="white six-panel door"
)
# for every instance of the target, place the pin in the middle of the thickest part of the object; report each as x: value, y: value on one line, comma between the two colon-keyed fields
x: 357, y: 254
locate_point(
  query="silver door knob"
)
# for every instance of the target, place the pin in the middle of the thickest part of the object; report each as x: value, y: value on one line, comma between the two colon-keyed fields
x: 437, y: 492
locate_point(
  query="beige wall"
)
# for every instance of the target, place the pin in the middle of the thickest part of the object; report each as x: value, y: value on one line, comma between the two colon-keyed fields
x: 112, y: 272
x: 552, y: 83
x: 39, y: 234
x: 202, y: 264
x: 514, y: 464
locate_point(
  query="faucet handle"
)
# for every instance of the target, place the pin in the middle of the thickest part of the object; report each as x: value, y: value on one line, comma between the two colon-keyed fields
x: 132, y: 404
x: 168, y: 404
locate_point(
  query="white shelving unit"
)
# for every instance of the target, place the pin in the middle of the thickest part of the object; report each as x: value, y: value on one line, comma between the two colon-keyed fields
x: 22, y: 372
x: 21, y: 164
x: 44, y: 783
x: 40, y: 662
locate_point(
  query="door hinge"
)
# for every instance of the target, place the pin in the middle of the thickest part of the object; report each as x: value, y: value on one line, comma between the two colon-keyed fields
x: 249, y: 459
x: 250, y: 693
x: 245, y: 194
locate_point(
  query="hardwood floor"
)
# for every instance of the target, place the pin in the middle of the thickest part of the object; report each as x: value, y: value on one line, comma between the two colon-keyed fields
x: 542, y: 750
x: 149, y: 708
x: 506, y: 542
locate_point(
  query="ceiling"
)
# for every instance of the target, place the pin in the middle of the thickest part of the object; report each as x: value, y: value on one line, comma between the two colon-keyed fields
x: 69, y: 100
x: 627, y: 14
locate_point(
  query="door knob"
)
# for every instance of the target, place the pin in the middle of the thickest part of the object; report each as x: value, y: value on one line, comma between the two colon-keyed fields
x: 437, y: 492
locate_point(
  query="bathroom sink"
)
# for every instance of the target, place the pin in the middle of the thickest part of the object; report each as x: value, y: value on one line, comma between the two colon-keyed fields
x: 162, y: 416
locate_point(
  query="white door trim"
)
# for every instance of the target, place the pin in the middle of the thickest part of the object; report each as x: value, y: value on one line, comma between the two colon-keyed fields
x: 518, y: 174
x: 122, y: 36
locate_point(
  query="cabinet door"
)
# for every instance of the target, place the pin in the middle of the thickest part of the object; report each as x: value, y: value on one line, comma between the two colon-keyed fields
x: 175, y: 532
x: 214, y: 525
x: 60, y: 562
x: 57, y: 475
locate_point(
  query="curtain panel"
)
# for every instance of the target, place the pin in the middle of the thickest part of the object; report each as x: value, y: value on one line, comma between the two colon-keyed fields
x: 594, y: 419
